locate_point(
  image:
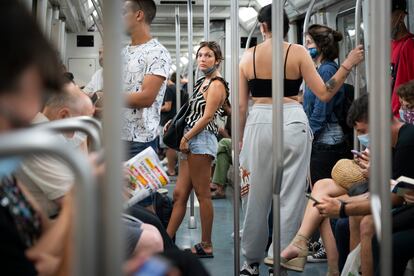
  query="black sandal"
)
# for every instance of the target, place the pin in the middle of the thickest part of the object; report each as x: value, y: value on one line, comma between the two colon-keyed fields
x: 200, y: 252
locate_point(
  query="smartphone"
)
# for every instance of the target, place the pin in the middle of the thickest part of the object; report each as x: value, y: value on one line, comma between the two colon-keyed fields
x: 155, y: 266
x: 357, y: 153
x: 312, y: 198
x: 94, y: 98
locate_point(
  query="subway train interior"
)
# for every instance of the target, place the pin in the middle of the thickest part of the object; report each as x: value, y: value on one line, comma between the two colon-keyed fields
x: 118, y: 154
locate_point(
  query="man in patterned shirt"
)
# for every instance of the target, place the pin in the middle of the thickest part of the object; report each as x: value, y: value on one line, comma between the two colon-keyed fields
x: 146, y: 66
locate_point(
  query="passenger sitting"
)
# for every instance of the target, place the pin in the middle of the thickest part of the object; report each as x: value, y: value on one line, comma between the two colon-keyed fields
x: 402, y: 140
x: 406, y: 95
x: 223, y: 162
x: 45, y: 177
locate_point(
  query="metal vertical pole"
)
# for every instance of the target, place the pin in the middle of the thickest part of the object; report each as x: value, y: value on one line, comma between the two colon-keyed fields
x: 277, y: 124
x: 177, y: 56
x: 307, y: 19
x: 112, y: 253
x: 379, y: 128
x: 358, y: 13
x: 235, y: 128
x: 249, y: 38
x: 206, y: 20
x: 192, y: 224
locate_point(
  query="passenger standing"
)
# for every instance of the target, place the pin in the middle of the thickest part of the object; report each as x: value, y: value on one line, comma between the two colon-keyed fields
x: 199, y: 145
x: 402, y: 51
x: 256, y: 153
x: 329, y: 143
x: 146, y: 66
x: 96, y: 82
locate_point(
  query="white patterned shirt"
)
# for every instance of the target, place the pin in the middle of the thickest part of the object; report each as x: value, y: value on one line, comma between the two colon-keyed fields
x: 151, y: 58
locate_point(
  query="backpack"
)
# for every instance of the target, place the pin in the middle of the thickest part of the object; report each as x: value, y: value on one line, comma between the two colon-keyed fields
x: 341, y: 113
x: 163, y: 206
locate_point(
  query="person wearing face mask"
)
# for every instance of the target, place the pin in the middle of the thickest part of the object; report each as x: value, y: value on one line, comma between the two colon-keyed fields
x: 406, y: 95
x: 402, y: 52
x: 45, y: 177
x: 329, y: 143
x: 199, y: 145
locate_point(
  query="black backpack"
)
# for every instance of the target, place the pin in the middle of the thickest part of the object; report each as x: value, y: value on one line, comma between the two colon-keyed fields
x: 341, y: 113
x: 163, y: 206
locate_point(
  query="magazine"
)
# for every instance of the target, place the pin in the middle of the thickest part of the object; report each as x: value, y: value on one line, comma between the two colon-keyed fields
x: 146, y: 175
x: 402, y: 185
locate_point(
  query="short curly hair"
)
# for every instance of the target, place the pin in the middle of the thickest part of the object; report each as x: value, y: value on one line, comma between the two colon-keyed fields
x: 406, y: 92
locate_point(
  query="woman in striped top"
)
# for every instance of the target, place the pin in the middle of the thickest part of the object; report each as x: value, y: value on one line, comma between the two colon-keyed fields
x: 199, y: 145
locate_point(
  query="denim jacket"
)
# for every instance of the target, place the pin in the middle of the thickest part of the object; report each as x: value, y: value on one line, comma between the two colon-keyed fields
x: 322, y: 119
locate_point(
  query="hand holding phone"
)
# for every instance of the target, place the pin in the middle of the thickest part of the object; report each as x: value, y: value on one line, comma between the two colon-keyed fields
x: 312, y: 198
x: 356, y: 153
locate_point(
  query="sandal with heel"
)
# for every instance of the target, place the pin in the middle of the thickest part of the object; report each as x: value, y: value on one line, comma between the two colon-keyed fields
x: 297, y: 263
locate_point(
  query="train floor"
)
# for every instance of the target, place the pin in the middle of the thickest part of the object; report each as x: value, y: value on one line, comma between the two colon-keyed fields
x: 222, y: 263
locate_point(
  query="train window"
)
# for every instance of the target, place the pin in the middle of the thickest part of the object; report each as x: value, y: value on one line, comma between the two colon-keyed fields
x: 345, y: 23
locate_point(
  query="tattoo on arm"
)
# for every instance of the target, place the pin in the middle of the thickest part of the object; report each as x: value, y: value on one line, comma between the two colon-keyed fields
x: 330, y: 85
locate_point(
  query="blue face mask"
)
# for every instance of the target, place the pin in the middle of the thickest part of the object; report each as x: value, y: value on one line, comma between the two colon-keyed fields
x: 364, y: 140
x: 313, y: 52
x: 402, y: 115
x: 8, y: 165
x: 210, y: 70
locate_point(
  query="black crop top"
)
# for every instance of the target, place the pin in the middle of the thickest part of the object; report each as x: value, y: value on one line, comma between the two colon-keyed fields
x: 263, y: 87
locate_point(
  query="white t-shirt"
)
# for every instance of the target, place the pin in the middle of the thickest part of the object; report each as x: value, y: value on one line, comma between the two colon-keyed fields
x: 48, y: 178
x: 151, y: 58
x: 96, y: 83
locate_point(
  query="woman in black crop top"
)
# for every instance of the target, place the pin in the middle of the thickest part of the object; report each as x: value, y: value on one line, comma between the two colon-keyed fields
x: 199, y: 145
x: 256, y: 136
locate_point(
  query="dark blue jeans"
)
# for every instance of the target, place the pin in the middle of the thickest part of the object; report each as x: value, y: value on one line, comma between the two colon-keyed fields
x: 342, y: 240
x: 133, y: 149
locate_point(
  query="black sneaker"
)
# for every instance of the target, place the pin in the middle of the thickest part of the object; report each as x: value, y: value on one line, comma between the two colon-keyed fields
x: 318, y: 257
x: 313, y: 247
x: 250, y: 269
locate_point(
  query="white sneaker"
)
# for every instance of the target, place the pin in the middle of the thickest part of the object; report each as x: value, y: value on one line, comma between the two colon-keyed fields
x: 250, y: 269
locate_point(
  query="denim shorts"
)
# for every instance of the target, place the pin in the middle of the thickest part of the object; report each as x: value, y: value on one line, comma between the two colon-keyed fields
x: 203, y: 143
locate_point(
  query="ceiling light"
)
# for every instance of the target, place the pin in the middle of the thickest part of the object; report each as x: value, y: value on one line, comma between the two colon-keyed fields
x: 264, y: 2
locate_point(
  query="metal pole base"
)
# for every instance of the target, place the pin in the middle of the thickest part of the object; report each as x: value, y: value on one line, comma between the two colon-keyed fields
x: 192, y: 223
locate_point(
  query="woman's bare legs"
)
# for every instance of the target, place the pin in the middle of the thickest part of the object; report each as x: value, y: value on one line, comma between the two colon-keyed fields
x: 200, y: 172
x: 330, y: 247
x: 312, y: 219
x: 181, y: 193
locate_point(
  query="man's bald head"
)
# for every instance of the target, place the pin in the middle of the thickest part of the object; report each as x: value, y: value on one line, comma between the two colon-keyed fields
x: 71, y: 102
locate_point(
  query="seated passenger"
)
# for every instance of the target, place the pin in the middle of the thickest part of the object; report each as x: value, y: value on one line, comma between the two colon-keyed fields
x: 406, y: 95
x: 402, y: 140
x: 48, y: 179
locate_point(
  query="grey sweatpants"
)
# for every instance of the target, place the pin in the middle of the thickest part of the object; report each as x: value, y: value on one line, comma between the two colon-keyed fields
x: 256, y: 169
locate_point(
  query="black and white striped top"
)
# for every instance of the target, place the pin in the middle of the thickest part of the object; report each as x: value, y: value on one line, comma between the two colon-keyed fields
x: 198, y: 104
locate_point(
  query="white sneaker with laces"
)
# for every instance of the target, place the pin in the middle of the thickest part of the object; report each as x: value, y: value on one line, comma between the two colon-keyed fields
x: 249, y: 269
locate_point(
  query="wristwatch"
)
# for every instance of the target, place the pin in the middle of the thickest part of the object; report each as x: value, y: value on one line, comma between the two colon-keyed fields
x: 342, y: 213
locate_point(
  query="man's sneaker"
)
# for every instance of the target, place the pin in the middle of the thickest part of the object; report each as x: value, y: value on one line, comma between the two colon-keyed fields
x: 313, y: 247
x: 318, y: 257
x: 250, y: 270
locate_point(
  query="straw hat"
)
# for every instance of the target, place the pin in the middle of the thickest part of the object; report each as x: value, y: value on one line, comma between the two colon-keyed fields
x: 346, y: 173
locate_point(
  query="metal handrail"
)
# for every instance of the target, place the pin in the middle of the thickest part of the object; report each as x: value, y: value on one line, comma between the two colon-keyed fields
x: 75, y: 124
x: 177, y: 56
x: 112, y: 253
x: 307, y: 19
x: 207, y: 20
x: 35, y: 141
x: 249, y: 38
x: 277, y: 125
x: 379, y: 128
x: 235, y: 129
x: 358, y: 7
x: 192, y: 224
